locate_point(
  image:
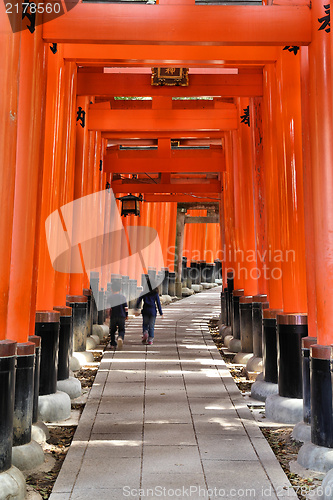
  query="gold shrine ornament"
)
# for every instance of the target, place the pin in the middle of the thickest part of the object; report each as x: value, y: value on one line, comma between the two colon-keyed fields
x: 169, y: 76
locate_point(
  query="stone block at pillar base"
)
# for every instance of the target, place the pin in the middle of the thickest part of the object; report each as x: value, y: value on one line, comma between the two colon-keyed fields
x: 98, y: 330
x: 186, y: 292
x: 70, y: 385
x: 74, y: 364
x: 226, y: 340
x: 326, y: 489
x: 96, y: 339
x: 242, y: 358
x: 261, y: 389
x: 197, y: 288
x: 39, y: 432
x: 83, y: 357
x: 314, y: 457
x: 12, y: 484
x: 208, y: 286
x: 105, y: 329
x: 219, y: 282
x: 224, y: 331
x: 54, y: 407
x: 90, y: 343
x: 302, y: 432
x: 235, y: 345
x: 166, y: 299
x: 28, y: 456
x: 284, y: 410
x: 254, y: 364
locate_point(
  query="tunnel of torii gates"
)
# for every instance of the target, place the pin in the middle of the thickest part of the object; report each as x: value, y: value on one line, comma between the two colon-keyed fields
x: 259, y: 145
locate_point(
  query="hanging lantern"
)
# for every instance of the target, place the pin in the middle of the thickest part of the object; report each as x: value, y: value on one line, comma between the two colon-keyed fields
x: 130, y: 204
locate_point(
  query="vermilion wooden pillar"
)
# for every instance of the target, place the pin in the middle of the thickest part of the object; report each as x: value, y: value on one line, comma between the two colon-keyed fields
x: 97, y: 170
x: 290, y: 168
x: 143, y: 221
x: 80, y: 176
x: 237, y: 244
x: 227, y: 254
x: 259, y: 190
x: 308, y: 196
x: 172, y: 236
x: 29, y: 138
x: 55, y: 127
x: 272, y: 201
x: 9, y: 86
x: 61, y: 279
x: 167, y: 223
x: 89, y: 190
x: 113, y: 267
x: 245, y: 206
x: 320, y: 73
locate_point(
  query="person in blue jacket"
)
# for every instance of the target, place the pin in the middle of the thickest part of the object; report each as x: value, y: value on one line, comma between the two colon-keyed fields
x: 149, y: 313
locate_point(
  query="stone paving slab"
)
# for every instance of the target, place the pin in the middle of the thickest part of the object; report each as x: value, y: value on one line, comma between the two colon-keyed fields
x: 168, y: 421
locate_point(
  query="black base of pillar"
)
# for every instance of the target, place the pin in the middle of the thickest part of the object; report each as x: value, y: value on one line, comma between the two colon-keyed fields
x: 87, y: 293
x: 7, y: 391
x: 291, y: 328
x: 269, y: 345
x: 24, y: 393
x: 217, y: 269
x: 245, y: 321
x: 237, y: 294
x: 224, y: 307
x: 258, y: 305
x: 306, y: 343
x: 209, y: 273
x: 230, y: 287
x: 321, y: 396
x: 79, y: 306
x: 101, y: 307
x: 94, y: 283
x: 37, y: 341
x: 165, y: 284
x: 47, y: 327
x: 132, y: 293
x: 195, y: 272
x: 65, y: 341
x: 172, y: 284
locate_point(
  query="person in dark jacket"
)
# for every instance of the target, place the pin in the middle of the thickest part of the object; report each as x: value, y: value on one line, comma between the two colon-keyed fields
x: 149, y: 313
x: 117, y: 304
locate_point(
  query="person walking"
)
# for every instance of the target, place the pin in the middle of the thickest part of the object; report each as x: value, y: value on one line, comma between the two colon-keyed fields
x: 150, y: 300
x: 118, y: 315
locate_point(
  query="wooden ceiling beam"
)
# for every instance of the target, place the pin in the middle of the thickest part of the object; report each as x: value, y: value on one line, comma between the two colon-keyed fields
x: 184, y: 164
x: 113, y: 85
x: 204, y: 186
x: 181, y: 198
x: 162, y: 120
x: 171, y: 55
x: 164, y: 24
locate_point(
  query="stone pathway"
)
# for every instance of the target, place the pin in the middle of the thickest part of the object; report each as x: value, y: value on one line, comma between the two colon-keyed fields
x: 168, y: 421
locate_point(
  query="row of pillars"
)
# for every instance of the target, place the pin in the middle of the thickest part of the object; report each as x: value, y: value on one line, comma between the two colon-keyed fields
x: 277, y: 197
x: 296, y: 381
x: 278, y: 212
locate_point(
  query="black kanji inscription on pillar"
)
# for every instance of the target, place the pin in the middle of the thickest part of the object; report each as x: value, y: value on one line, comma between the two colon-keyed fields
x: 81, y: 117
x: 29, y: 11
x: 326, y: 20
x: 292, y: 48
x: 245, y: 118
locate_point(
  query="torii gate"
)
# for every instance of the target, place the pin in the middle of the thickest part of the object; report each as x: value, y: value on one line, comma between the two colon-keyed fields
x: 227, y: 36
